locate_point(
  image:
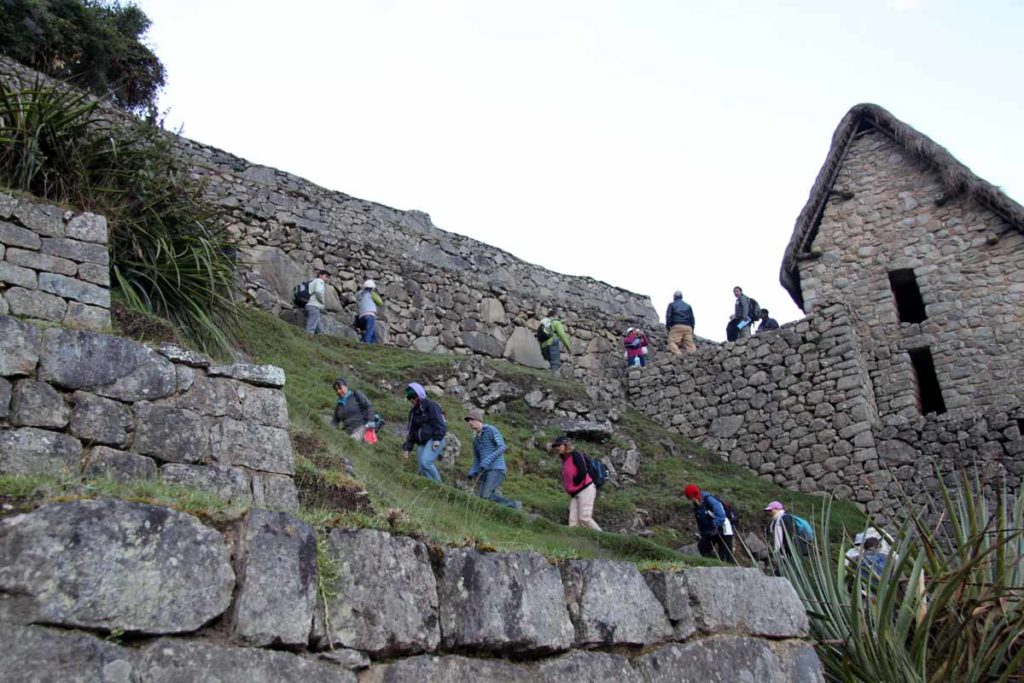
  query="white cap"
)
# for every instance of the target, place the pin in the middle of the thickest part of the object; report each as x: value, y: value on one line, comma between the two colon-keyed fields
x: 369, y: 284
x: 870, y: 532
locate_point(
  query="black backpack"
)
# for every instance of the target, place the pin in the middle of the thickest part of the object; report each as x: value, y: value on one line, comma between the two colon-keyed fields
x: 300, y: 294
x: 596, y: 469
x: 730, y: 512
x: 544, y: 333
x: 754, y: 309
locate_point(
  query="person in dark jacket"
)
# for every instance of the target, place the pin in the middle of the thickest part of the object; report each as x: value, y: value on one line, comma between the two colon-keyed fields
x: 741, y: 314
x: 713, y: 525
x: 352, y: 411
x: 577, y: 483
x: 679, y: 322
x: 427, y: 431
x: 767, y: 323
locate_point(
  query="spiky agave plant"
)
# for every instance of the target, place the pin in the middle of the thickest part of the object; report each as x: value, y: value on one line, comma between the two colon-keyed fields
x: 947, y: 606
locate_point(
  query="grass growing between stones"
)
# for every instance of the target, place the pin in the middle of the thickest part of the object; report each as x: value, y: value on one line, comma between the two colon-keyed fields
x: 450, y: 514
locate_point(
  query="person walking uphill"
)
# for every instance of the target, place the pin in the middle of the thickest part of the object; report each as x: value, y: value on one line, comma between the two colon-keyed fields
x: 427, y: 431
x: 578, y: 484
x: 488, y: 460
x: 713, y: 524
x: 368, y: 300
x: 315, y: 306
x: 551, y: 335
x: 352, y: 411
x: 679, y: 322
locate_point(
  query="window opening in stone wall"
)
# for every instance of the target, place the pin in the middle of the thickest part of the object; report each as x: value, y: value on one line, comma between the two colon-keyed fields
x: 909, y: 304
x: 929, y: 393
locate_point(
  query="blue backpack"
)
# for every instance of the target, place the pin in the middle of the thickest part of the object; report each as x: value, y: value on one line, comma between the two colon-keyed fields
x: 804, y: 530
x: 597, y: 471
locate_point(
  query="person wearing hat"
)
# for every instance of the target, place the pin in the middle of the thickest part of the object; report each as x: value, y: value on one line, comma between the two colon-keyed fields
x: 884, y: 544
x: 713, y: 524
x: 551, y: 336
x: 578, y: 484
x: 488, y: 460
x: 368, y: 300
x: 427, y: 431
x: 679, y: 322
x: 352, y: 411
x: 782, y: 532
x: 636, y: 343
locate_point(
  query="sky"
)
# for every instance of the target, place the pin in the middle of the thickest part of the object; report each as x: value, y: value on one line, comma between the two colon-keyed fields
x: 654, y: 145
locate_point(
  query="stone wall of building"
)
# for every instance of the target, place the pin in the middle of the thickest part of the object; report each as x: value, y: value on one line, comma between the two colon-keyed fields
x: 54, y: 264
x: 246, y: 602
x: 888, y: 212
x: 77, y: 402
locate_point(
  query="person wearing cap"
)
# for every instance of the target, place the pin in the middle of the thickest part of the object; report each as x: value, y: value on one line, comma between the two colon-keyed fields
x: 551, y: 335
x: 578, y: 484
x: 713, y: 524
x: 427, y: 431
x: 782, y: 532
x: 368, y: 300
x: 352, y: 411
x: 488, y: 460
x: 884, y: 544
x: 636, y: 344
x: 679, y: 322
x: 315, y: 306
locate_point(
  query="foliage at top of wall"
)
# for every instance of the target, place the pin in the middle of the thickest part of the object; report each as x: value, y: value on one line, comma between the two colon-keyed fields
x: 94, y: 44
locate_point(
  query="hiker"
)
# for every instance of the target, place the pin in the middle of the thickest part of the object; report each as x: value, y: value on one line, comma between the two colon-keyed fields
x: 679, y: 322
x: 884, y: 544
x: 352, y: 411
x: 872, y: 559
x: 742, y: 314
x: 767, y: 322
x: 488, y: 460
x: 636, y: 343
x: 784, y: 533
x: 713, y: 524
x: 315, y: 305
x: 551, y: 335
x: 577, y: 482
x: 427, y: 430
x: 368, y: 300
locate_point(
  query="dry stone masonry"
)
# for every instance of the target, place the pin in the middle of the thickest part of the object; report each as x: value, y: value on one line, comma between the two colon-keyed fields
x: 241, y: 604
x: 54, y: 264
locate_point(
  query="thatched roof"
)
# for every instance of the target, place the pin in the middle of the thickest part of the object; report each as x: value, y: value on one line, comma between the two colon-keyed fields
x: 957, y: 179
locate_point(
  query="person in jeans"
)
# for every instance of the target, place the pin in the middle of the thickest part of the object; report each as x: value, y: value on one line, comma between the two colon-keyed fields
x: 315, y: 305
x: 488, y: 460
x: 352, y: 411
x: 679, y: 322
x: 577, y: 483
x: 368, y: 300
x: 551, y: 335
x: 427, y: 431
x: 741, y: 313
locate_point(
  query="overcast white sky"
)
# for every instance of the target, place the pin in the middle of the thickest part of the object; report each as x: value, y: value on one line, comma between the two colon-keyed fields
x: 650, y: 144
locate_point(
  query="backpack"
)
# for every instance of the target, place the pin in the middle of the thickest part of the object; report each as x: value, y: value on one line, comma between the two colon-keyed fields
x: 804, y: 530
x: 730, y: 513
x: 544, y: 333
x: 596, y: 469
x: 754, y: 309
x: 300, y: 294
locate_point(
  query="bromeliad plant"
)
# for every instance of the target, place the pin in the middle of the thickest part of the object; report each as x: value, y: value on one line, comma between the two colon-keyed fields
x: 947, y: 606
x: 171, y: 254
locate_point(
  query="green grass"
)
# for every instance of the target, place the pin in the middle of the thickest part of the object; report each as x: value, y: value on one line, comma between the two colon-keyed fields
x: 446, y: 514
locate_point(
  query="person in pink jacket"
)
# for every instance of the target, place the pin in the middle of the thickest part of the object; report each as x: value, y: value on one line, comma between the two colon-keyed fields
x: 577, y: 483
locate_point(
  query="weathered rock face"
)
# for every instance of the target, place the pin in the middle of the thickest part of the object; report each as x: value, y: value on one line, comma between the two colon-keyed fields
x: 116, y: 565
x: 502, y: 603
x: 33, y: 653
x: 730, y: 658
x: 38, y: 451
x: 386, y: 600
x: 20, y: 351
x: 610, y: 604
x: 228, y: 483
x: 277, y: 581
x: 732, y: 600
x: 670, y: 590
x: 171, y: 661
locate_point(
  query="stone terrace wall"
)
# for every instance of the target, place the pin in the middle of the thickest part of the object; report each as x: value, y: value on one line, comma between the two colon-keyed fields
x: 79, y: 401
x: 797, y: 407
x: 54, y: 264
x: 203, y: 604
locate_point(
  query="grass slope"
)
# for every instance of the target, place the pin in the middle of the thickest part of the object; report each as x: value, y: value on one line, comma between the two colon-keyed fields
x: 446, y: 514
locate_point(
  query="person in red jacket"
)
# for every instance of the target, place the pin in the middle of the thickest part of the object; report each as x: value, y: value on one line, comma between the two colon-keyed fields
x: 577, y: 483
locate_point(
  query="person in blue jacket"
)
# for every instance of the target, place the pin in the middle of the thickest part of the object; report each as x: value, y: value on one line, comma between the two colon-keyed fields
x: 488, y: 460
x: 713, y: 524
x: 427, y: 431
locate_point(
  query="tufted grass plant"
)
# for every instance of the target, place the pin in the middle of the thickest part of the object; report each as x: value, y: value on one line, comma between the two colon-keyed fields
x: 948, y: 605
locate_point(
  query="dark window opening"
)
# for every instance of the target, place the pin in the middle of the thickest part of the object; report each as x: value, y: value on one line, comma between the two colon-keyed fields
x: 909, y: 304
x: 929, y: 393
x: 1020, y: 425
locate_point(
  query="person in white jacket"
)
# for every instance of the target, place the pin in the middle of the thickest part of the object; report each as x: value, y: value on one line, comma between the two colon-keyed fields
x: 315, y: 305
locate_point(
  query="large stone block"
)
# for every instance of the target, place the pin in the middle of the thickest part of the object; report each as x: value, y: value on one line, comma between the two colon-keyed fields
x: 386, y: 597
x: 33, y: 259
x: 260, y: 375
x: 44, y: 219
x: 277, y: 269
x: 492, y: 311
x: 610, y: 604
x: 483, y: 344
x: 109, y: 564
x: 37, y: 451
x: 82, y: 252
x: 224, y: 397
x: 522, y: 348
x: 32, y: 303
x: 94, y: 273
x: 5, y: 398
x: 37, y: 404
x: 100, y: 420
x: 727, y: 658
x: 277, y: 576
x: 36, y: 654
x: 585, y: 666
x: 15, y: 236
x: 269, y: 449
x: 739, y: 600
x: 502, y: 603
x: 182, y: 661
x: 86, y: 317
x: 450, y: 669
x: 87, y: 227
x: 670, y: 590
x: 227, y: 483
x: 70, y: 288
x: 119, y: 465
x: 19, y: 351
x: 172, y: 434
x: 274, y: 491
x: 109, y: 366
x: 17, y: 276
